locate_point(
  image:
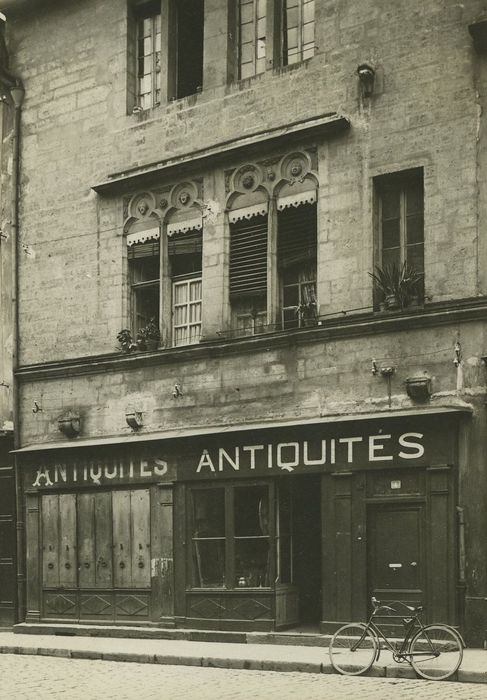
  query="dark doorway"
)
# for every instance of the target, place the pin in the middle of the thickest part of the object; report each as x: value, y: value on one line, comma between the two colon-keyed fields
x: 8, y: 572
x: 307, y: 546
x: 395, y: 553
x: 190, y: 32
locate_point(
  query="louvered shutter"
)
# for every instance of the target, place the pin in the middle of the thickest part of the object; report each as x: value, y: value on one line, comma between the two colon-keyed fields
x: 296, y: 239
x: 185, y: 243
x: 248, y: 257
x: 143, y: 250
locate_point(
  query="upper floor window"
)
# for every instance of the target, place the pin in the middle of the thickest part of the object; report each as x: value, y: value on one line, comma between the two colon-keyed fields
x: 298, y: 30
x: 185, y: 263
x: 400, y: 216
x: 187, y: 71
x: 273, y: 247
x: 144, y: 275
x: 149, y: 56
x: 296, y: 259
x: 251, y: 37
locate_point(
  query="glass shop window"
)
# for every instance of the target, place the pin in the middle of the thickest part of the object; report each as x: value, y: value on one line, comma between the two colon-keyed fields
x: 251, y: 537
x: 230, y: 537
x: 208, y: 538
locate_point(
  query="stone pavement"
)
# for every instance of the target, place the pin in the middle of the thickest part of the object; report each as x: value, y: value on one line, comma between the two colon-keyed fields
x: 43, y: 678
x: 260, y: 657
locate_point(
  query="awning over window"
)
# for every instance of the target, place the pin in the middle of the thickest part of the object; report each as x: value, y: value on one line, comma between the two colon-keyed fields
x: 296, y: 200
x: 193, y: 224
x: 246, y: 213
x: 151, y: 234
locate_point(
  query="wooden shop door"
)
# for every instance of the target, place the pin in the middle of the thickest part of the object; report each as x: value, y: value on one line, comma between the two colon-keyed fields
x: 96, y: 555
x: 396, y: 566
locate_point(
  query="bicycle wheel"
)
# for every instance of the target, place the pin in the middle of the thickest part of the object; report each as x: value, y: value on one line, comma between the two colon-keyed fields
x: 353, y: 649
x: 436, y: 652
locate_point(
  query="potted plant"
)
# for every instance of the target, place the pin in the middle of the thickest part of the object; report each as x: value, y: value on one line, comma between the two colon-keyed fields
x: 126, y: 341
x: 149, y: 336
x: 307, y: 311
x: 396, y: 285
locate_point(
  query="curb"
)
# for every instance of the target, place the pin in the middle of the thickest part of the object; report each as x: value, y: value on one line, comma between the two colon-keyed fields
x: 282, y: 666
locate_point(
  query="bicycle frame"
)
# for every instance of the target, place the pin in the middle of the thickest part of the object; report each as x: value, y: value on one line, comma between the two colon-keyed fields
x: 413, y: 623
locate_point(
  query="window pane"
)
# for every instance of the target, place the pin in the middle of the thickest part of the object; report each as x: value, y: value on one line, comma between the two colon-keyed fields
x: 391, y: 257
x: 180, y: 315
x: 414, y: 199
x: 194, y: 334
x: 208, y: 513
x: 146, y: 306
x: 208, y: 563
x: 308, y: 34
x: 180, y: 336
x: 292, y: 18
x: 180, y: 293
x: 415, y: 228
x: 246, y: 12
x: 251, y: 511
x: 390, y: 204
x: 415, y: 257
x: 291, y: 296
x: 309, y: 11
x: 252, y: 562
x: 391, y: 233
x: 292, y: 39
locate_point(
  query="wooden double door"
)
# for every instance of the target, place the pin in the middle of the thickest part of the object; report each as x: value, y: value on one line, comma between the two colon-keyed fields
x: 96, y: 555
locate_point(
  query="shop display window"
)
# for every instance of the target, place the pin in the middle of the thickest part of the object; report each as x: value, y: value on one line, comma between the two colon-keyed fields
x: 231, y: 537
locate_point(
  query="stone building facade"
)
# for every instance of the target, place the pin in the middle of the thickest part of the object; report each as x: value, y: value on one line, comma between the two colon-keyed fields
x: 231, y: 172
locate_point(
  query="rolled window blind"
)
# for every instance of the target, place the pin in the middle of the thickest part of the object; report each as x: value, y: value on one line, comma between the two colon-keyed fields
x: 296, y: 238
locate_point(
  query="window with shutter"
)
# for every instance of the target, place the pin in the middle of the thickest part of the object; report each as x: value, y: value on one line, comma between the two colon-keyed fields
x: 248, y: 274
x: 296, y: 261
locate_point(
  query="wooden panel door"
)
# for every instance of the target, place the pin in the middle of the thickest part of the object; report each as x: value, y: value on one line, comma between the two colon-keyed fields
x: 396, y: 553
x: 8, y: 579
x: 131, y: 538
x: 95, y: 540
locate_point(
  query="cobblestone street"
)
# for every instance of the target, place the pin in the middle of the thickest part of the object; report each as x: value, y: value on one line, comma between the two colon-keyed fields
x: 45, y: 678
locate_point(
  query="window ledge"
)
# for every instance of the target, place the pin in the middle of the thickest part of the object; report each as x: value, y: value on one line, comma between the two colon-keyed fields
x: 326, y: 124
x: 337, y: 328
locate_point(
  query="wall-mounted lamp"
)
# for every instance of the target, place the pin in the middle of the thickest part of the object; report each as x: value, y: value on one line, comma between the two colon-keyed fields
x: 478, y: 32
x: 366, y: 76
x: 133, y: 418
x: 70, y: 424
x: 418, y: 388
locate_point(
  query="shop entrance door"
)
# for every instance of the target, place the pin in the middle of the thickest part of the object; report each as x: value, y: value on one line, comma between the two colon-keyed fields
x: 396, y: 553
x: 307, y: 546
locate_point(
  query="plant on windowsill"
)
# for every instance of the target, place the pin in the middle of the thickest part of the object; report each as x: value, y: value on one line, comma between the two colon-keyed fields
x: 397, y: 286
x: 149, y: 336
x: 126, y: 341
x: 307, y: 311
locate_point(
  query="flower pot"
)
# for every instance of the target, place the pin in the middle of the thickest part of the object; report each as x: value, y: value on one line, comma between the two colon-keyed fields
x: 391, y: 301
x: 151, y: 344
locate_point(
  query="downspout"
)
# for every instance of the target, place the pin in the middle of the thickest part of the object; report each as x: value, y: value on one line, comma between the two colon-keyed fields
x: 15, y: 89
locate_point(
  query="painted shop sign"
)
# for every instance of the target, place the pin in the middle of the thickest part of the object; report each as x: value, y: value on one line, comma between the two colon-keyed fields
x: 99, y: 473
x: 263, y: 453
x: 297, y: 455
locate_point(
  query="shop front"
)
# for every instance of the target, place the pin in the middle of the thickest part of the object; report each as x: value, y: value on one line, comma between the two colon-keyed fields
x: 270, y: 529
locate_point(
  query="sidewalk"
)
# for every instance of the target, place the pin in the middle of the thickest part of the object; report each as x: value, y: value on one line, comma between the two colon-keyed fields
x: 262, y: 657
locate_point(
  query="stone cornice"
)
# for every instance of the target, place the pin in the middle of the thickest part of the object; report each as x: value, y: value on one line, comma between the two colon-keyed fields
x: 352, y: 326
x: 325, y: 124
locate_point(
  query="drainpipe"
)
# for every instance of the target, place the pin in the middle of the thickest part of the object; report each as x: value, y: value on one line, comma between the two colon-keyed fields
x: 462, y: 581
x: 14, y: 88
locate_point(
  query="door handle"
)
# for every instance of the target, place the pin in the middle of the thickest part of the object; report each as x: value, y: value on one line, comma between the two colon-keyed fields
x: 395, y: 566
x: 414, y: 563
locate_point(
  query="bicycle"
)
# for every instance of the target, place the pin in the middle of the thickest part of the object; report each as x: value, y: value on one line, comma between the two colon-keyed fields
x: 435, y: 651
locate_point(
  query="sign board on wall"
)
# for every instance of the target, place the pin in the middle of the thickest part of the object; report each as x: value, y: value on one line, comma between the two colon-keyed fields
x: 263, y: 453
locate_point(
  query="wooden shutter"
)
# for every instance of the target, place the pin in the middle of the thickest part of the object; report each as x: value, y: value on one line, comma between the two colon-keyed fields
x: 296, y: 240
x: 248, y: 257
x: 185, y: 243
x: 143, y: 250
